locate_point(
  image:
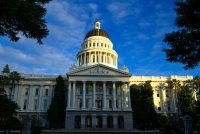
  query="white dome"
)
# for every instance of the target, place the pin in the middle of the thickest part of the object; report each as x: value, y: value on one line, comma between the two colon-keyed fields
x: 97, y: 49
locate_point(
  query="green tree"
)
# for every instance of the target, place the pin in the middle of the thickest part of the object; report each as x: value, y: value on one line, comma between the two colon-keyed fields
x: 186, y: 100
x: 6, y: 69
x: 24, y: 17
x: 8, y: 110
x: 14, y: 78
x: 143, y: 106
x: 184, y: 43
x: 56, y: 112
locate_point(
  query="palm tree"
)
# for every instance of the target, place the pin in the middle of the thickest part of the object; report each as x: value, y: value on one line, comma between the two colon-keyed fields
x: 14, y: 77
x: 174, y: 85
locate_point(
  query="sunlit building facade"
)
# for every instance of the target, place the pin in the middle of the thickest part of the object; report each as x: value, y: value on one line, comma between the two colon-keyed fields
x: 97, y: 92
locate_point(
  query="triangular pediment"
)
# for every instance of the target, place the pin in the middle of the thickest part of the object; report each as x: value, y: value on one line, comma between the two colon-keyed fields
x: 100, y: 70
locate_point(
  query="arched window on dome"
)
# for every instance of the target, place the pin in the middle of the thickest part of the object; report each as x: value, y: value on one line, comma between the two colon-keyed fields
x: 90, y: 44
x: 101, y: 44
x: 105, y: 45
x: 97, y: 44
x: 93, y: 44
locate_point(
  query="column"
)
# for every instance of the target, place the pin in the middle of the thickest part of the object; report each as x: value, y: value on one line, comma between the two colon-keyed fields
x: 78, y: 61
x: 82, y: 121
x: 94, y: 95
x: 104, y: 121
x: 115, y: 121
x: 69, y: 95
x: 84, y: 58
x: 84, y: 86
x: 93, y: 120
x: 104, y: 95
x: 74, y: 94
x: 114, y: 96
x: 89, y: 58
x: 80, y: 57
x: 124, y: 95
x: 95, y: 59
x: 129, y: 97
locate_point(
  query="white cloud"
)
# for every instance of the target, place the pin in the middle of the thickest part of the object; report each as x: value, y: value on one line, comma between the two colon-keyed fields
x: 93, y: 6
x: 120, y: 10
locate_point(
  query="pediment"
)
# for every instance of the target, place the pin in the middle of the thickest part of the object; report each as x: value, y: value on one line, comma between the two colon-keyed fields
x: 99, y: 70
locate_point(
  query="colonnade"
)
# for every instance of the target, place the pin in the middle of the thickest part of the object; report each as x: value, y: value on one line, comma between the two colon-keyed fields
x: 71, y: 103
x: 97, y: 57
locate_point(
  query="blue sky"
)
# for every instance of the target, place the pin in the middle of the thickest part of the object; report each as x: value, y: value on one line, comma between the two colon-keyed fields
x: 136, y: 28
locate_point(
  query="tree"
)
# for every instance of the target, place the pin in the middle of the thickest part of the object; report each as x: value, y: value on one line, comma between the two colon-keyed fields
x: 23, y: 17
x: 8, y: 108
x: 56, y: 112
x: 6, y: 69
x: 174, y: 84
x: 143, y: 105
x: 184, y: 44
x: 14, y: 78
x: 186, y: 100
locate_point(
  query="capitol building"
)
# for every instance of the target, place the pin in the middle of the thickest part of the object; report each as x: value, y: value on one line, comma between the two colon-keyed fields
x: 97, y: 91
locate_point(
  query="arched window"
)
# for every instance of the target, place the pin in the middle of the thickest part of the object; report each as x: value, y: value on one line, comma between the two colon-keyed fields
x: 77, y: 121
x: 120, y: 122
x: 110, y: 122
x: 88, y: 122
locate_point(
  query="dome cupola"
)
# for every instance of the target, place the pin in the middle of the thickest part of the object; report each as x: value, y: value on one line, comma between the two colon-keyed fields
x: 97, y: 49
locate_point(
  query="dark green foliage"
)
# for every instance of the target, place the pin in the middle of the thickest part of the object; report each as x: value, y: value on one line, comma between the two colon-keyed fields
x: 184, y: 44
x: 6, y: 69
x: 7, y: 112
x: 8, y: 108
x: 186, y: 100
x: 23, y: 17
x: 143, y: 106
x: 56, y: 112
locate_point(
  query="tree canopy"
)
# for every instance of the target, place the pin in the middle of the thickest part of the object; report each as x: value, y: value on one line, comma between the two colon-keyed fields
x: 186, y: 100
x: 184, y: 44
x: 8, y: 119
x: 23, y: 17
x: 56, y: 112
x: 143, y: 105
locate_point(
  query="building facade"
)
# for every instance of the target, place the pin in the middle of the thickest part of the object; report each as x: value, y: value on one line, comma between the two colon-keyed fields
x: 98, y: 93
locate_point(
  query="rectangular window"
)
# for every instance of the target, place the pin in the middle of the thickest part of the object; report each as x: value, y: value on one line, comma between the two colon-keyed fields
x: 110, y: 91
x: 99, y: 103
x: 46, y: 92
x: 26, y: 91
x: 36, y: 92
x: 87, y: 103
x: 80, y: 103
x: 45, y: 104
x: 168, y: 106
x: 87, y: 91
x: 25, y: 104
x: 158, y: 94
x: 35, y: 104
x: 110, y: 103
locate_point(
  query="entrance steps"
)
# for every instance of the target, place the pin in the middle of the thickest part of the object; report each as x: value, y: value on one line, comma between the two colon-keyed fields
x: 100, y: 131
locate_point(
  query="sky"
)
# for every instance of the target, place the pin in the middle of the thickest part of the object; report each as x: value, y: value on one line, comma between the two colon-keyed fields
x: 136, y: 29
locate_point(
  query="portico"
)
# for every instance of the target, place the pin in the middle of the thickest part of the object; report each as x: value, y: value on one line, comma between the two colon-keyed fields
x: 100, y: 94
